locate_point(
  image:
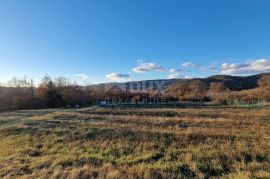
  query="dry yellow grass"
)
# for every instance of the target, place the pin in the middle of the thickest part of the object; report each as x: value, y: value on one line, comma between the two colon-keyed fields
x: 135, y: 143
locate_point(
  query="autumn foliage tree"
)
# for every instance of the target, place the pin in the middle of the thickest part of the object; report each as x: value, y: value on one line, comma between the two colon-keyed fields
x: 264, y: 87
x: 198, y: 90
x: 194, y: 90
x: 264, y: 82
x: 48, y: 91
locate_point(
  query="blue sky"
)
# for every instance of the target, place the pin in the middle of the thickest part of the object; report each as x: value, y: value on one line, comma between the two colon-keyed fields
x: 119, y: 40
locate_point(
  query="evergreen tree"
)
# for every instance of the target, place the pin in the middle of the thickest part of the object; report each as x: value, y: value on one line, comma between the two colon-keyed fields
x: 49, y: 91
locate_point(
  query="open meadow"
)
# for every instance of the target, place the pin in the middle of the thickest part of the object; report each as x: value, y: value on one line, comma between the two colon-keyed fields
x: 99, y: 142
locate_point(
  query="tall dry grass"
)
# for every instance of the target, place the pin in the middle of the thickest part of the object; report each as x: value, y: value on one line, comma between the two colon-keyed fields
x: 135, y: 143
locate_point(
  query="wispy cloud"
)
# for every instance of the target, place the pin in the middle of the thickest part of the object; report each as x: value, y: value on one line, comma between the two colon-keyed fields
x: 208, y: 68
x: 173, y: 70
x: 176, y: 73
x: 173, y: 76
x: 254, y: 66
x: 203, y: 68
x: 190, y: 64
x: 117, y: 77
x: 144, y: 67
x: 178, y: 76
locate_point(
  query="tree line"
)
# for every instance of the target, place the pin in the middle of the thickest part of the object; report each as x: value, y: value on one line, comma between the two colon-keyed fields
x: 218, y: 92
x: 60, y: 92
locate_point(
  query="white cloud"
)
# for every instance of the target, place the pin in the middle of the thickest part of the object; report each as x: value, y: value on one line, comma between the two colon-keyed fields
x: 190, y: 64
x: 178, y: 76
x: 255, y: 66
x: 176, y: 73
x: 147, y: 67
x: 117, y: 77
x: 211, y: 67
x: 173, y: 76
x: 188, y: 77
x: 175, y: 70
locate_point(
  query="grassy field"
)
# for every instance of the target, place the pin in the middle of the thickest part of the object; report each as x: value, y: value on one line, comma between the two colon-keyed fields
x: 135, y: 143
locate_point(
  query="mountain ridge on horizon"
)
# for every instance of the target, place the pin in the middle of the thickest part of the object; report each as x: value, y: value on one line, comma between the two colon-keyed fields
x: 186, y: 79
x: 233, y: 83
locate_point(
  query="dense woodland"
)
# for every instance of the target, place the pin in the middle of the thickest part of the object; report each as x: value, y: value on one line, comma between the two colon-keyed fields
x: 60, y: 92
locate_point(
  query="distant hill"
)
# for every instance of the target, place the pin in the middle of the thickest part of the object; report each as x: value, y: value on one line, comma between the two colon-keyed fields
x: 139, y: 85
x: 234, y: 83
